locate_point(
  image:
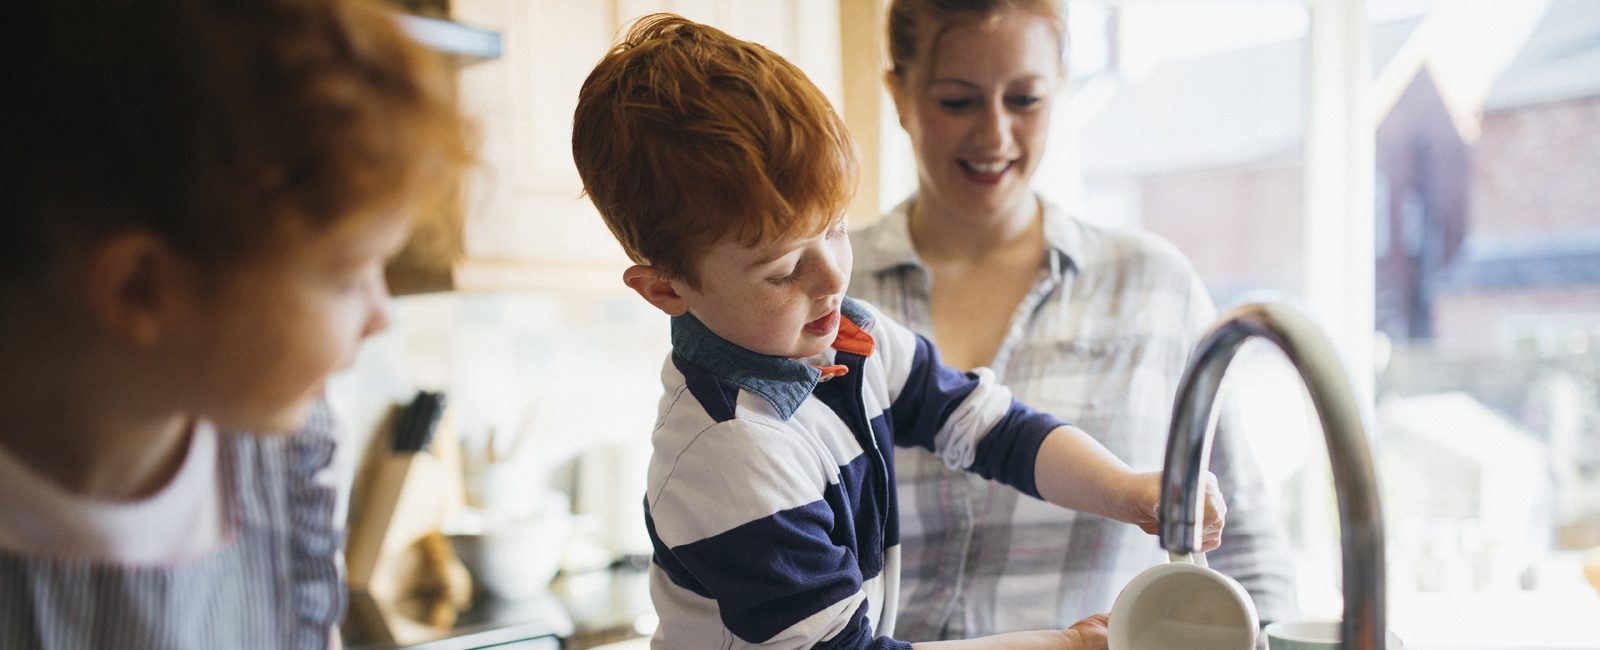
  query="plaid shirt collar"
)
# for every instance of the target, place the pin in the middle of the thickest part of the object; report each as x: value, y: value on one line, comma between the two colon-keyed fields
x: 890, y: 244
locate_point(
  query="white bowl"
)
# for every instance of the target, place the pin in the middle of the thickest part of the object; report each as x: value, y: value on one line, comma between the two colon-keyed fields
x: 1313, y: 635
x: 516, y: 559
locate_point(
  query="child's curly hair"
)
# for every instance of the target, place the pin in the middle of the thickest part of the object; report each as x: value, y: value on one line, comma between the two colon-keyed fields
x: 685, y: 135
x: 212, y: 122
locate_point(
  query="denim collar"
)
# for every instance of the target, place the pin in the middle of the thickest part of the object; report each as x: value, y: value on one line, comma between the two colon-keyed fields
x: 784, y: 383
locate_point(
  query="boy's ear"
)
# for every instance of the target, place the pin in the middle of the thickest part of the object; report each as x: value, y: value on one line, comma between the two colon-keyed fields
x: 897, y: 92
x: 655, y: 288
x: 130, y: 285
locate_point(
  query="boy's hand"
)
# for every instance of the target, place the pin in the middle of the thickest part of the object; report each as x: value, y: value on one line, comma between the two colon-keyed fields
x: 1075, y: 471
x: 1144, y: 507
x: 1087, y: 634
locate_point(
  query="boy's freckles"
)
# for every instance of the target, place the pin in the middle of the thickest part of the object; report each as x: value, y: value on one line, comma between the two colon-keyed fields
x: 779, y: 299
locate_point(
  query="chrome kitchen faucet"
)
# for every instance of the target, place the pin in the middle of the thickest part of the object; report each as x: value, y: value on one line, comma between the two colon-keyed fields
x: 1355, y: 482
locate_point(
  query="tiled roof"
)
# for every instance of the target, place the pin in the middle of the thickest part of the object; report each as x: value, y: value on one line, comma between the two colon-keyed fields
x: 1561, y: 59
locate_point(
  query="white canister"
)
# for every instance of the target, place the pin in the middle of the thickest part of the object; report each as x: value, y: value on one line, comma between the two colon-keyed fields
x: 1183, y: 605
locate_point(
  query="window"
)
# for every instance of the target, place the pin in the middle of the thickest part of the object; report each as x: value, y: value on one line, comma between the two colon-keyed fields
x: 1197, y: 122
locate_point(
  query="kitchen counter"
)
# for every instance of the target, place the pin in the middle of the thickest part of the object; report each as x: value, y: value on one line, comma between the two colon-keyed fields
x: 608, y: 606
x: 580, y: 611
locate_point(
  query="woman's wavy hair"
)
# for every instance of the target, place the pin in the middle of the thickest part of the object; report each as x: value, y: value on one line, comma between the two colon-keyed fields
x: 910, y: 19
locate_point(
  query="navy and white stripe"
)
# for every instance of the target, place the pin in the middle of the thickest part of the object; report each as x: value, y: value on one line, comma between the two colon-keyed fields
x: 274, y: 584
x: 771, y: 500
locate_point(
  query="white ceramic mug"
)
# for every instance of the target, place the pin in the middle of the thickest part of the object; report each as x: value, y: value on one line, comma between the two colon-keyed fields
x: 1313, y: 635
x: 1183, y: 605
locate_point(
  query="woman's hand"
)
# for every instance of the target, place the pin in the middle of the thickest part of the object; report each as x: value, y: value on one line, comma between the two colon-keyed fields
x: 1142, y: 506
x: 1088, y: 634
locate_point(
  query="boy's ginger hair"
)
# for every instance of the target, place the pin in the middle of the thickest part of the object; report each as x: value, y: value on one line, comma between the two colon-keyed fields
x: 684, y: 136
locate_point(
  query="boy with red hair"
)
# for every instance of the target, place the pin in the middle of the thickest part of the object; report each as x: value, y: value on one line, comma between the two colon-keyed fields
x: 771, y: 507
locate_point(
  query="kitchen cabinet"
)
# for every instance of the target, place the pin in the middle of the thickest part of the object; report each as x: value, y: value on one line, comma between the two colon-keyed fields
x: 523, y: 223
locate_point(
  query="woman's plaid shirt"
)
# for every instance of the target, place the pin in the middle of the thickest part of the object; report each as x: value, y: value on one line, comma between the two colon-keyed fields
x: 1100, y: 341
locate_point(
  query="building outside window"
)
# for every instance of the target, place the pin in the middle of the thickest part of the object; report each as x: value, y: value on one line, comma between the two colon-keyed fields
x: 1482, y: 354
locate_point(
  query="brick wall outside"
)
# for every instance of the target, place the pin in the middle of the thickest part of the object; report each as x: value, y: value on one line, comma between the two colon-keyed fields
x: 1536, y: 169
x: 1241, y: 226
x: 1489, y: 321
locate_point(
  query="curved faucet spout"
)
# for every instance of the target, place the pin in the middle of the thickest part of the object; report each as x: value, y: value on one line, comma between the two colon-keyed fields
x: 1354, y: 480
